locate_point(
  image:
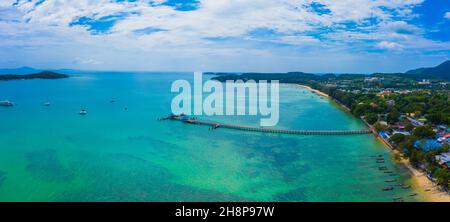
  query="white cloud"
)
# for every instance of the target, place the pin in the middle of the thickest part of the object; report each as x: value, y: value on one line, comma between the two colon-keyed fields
x: 6, y: 3
x: 218, y: 18
x: 89, y: 61
x: 447, y: 15
x: 389, y: 45
x: 298, y: 40
x: 400, y: 27
x: 219, y: 28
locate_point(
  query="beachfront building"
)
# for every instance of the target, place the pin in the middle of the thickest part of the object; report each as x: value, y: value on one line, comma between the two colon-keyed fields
x: 445, y: 138
x: 415, y: 122
x: 400, y: 125
x: 427, y: 145
x: 406, y: 133
x: 384, y: 135
x: 443, y: 159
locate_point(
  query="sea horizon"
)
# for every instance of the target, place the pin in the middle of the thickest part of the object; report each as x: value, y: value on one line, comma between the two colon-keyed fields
x: 31, y: 70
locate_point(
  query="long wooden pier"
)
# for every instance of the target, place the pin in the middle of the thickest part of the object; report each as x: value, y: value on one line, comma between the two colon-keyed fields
x: 216, y: 125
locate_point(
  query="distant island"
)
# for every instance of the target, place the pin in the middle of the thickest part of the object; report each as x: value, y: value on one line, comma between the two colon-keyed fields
x: 40, y: 75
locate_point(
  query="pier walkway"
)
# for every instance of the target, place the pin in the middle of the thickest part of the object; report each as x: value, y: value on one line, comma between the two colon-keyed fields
x: 216, y: 125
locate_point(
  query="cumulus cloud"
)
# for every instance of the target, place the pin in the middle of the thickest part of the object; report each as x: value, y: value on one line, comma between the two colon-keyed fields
x: 218, y: 18
x: 87, y: 61
x: 123, y: 33
x: 400, y: 27
x: 389, y: 45
x: 447, y: 15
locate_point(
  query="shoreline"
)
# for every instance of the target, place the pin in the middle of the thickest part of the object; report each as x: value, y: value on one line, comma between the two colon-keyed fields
x: 320, y: 93
x: 419, y: 181
x: 314, y: 90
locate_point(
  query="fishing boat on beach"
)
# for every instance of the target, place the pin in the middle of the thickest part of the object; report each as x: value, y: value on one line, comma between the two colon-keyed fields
x: 6, y: 103
x: 387, y: 188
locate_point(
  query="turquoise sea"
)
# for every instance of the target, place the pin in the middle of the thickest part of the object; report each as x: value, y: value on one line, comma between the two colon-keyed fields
x: 112, y: 154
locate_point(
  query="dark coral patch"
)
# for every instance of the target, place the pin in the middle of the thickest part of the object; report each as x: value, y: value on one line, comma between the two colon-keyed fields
x: 2, y: 177
x: 45, y: 165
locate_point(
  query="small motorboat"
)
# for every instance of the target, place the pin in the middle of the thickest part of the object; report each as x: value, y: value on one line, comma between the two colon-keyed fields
x: 406, y: 187
x: 390, y: 181
x: 83, y: 112
x: 387, y: 188
x: 413, y: 194
x: 6, y: 103
x: 47, y: 104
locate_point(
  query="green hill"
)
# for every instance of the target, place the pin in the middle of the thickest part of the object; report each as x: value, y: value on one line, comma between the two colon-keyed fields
x: 441, y: 71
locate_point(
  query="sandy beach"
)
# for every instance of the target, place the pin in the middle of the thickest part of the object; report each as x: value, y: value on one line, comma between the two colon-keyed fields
x: 419, y: 181
x: 318, y: 92
x: 424, y: 186
x: 314, y: 90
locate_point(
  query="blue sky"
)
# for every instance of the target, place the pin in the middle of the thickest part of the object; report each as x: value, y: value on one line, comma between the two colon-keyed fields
x: 355, y: 36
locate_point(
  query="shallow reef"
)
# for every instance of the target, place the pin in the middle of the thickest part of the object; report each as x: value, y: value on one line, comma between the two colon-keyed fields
x: 45, y: 165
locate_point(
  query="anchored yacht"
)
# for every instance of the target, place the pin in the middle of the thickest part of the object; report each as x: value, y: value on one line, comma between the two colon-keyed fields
x: 83, y: 112
x: 6, y: 103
